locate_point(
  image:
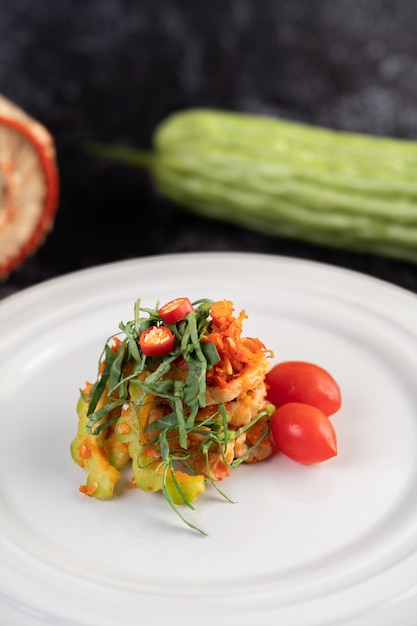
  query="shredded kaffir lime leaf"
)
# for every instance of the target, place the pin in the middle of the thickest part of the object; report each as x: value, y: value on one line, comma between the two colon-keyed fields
x: 123, y: 361
x: 188, y: 333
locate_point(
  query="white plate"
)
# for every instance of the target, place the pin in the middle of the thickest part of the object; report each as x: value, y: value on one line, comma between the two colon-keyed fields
x: 305, y: 545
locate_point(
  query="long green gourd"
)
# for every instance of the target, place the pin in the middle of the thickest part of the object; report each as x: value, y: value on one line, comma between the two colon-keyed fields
x: 278, y: 177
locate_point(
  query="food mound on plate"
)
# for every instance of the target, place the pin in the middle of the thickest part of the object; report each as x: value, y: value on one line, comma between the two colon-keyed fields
x: 181, y: 395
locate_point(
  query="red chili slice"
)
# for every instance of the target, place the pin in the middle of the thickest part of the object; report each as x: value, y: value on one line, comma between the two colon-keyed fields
x: 181, y: 363
x: 175, y: 310
x: 156, y: 341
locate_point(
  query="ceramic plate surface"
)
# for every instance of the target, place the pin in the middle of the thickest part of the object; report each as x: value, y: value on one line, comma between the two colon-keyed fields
x: 334, y: 543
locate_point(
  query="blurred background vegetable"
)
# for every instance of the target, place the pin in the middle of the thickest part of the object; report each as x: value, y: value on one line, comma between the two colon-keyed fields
x: 110, y: 71
x: 277, y: 177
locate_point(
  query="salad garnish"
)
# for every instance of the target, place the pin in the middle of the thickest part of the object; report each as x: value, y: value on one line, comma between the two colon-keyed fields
x: 180, y: 393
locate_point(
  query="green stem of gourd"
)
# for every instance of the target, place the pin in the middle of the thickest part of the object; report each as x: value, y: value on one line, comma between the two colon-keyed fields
x: 123, y: 154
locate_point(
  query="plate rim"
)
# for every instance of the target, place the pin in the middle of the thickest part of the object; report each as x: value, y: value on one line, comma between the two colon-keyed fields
x: 64, y: 282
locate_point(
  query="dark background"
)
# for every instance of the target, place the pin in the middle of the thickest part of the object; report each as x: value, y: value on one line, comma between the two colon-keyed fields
x: 108, y: 70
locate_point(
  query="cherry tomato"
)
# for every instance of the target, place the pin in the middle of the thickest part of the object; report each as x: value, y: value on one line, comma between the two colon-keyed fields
x: 156, y: 341
x: 303, y: 433
x: 299, y: 381
x: 175, y: 310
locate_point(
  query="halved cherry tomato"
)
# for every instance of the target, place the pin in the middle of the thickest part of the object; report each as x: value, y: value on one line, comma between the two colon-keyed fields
x: 156, y: 341
x: 175, y: 310
x: 300, y: 381
x: 303, y: 433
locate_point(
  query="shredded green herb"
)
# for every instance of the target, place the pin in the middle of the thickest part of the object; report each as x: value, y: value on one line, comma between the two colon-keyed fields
x: 125, y: 362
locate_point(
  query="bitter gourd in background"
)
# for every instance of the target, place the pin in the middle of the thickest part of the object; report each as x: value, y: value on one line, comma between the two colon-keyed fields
x: 334, y: 188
